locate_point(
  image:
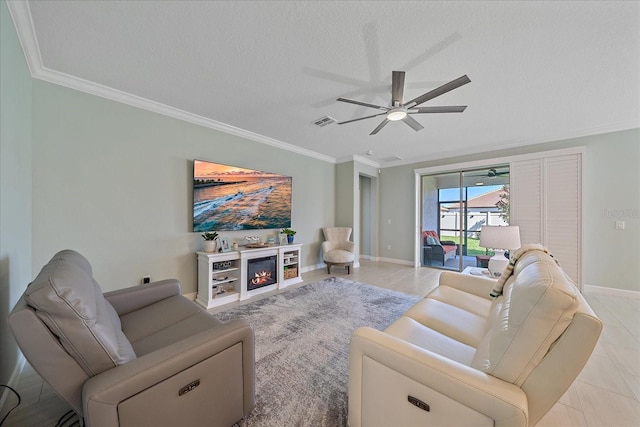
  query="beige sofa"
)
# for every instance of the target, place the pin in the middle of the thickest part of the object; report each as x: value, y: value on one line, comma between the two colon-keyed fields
x: 459, y: 357
x: 142, y: 356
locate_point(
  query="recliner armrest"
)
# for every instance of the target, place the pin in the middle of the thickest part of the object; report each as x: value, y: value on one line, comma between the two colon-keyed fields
x: 131, y: 299
x: 103, y: 393
x: 503, y: 402
x: 476, y: 285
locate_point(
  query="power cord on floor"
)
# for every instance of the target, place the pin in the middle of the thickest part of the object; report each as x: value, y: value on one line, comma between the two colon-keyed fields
x: 69, y: 419
x: 10, y: 410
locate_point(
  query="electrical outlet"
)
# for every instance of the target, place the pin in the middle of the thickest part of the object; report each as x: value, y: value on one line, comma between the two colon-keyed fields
x: 388, y: 247
x: 146, y: 279
x: 619, y: 225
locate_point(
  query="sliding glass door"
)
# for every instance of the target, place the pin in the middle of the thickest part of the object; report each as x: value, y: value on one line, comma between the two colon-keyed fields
x: 454, y: 207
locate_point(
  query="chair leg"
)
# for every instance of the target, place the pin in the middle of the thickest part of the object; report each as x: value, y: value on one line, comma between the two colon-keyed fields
x: 348, y: 268
x: 328, y: 268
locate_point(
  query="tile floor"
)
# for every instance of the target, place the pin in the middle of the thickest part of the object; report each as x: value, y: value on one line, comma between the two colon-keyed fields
x: 606, y: 394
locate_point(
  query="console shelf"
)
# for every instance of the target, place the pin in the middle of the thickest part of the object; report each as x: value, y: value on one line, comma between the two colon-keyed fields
x: 228, y: 270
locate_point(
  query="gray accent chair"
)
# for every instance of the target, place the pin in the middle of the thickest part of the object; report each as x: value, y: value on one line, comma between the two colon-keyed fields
x: 141, y: 356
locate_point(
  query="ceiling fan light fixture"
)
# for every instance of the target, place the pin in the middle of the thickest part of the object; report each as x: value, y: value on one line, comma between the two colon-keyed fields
x: 396, y: 114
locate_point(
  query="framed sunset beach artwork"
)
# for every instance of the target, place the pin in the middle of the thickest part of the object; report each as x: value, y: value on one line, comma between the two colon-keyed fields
x: 229, y: 198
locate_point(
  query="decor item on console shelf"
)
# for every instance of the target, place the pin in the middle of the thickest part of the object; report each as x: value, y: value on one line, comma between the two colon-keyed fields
x: 254, y: 242
x: 461, y: 357
x: 210, y: 241
x: 289, y: 233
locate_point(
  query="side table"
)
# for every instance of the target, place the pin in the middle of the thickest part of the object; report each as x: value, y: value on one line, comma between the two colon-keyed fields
x: 481, y: 272
x: 482, y: 261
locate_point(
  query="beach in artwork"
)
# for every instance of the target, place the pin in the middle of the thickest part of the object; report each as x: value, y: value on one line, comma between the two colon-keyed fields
x: 231, y: 198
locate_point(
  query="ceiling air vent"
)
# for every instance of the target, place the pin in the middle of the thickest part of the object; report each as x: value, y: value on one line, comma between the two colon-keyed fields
x: 323, y: 121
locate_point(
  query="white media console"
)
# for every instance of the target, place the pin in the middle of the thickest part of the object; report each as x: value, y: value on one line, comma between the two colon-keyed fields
x: 223, y: 277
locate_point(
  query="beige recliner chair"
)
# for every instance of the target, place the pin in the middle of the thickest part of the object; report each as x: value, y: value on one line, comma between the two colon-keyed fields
x: 141, y: 356
x: 337, y: 248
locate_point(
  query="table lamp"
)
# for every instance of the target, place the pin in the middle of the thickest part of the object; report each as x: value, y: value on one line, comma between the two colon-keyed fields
x: 499, y: 239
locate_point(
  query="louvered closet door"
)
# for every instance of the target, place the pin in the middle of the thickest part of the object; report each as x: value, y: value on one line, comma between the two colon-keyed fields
x: 525, y: 197
x: 545, y: 201
x: 562, y: 212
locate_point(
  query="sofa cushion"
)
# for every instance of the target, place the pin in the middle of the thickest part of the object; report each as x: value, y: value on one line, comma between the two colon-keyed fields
x: 537, y: 306
x: 430, y: 233
x: 409, y: 330
x: 432, y: 241
x: 167, y: 321
x: 70, y: 302
x: 461, y: 299
x: 449, y: 248
x: 454, y: 322
x: 338, y: 255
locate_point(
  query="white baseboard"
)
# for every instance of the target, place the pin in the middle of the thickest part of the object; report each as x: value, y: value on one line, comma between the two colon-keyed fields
x: 13, y: 380
x: 311, y: 268
x: 393, y: 261
x: 612, y: 291
x: 192, y: 296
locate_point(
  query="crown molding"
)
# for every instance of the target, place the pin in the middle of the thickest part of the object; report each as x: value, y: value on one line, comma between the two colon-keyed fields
x: 366, y: 161
x: 22, y: 20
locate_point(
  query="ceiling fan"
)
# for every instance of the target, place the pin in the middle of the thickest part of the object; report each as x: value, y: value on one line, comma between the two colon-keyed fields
x: 492, y: 173
x: 402, y: 111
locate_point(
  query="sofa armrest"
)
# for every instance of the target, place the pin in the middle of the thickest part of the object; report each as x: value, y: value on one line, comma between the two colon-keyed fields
x: 475, y: 285
x: 104, y: 392
x: 346, y: 246
x: 503, y: 402
x: 131, y: 299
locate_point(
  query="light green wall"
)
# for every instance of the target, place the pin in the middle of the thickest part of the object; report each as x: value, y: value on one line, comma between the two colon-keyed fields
x: 114, y: 182
x: 15, y: 184
x: 612, y: 193
x: 345, y: 194
x: 611, y: 183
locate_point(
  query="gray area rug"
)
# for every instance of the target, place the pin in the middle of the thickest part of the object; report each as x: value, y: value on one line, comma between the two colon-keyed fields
x: 302, y: 348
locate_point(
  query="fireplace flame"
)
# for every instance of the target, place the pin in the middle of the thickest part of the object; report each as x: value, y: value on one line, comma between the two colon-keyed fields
x: 261, y: 277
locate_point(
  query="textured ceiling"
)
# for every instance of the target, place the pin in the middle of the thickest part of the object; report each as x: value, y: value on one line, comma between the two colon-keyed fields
x: 540, y: 71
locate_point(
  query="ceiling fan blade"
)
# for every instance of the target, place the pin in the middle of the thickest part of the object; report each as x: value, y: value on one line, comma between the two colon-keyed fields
x: 451, y: 109
x: 454, y: 84
x: 413, y: 123
x: 397, y: 87
x: 380, y: 126
x: 364, y: 104
x: 361, y: 118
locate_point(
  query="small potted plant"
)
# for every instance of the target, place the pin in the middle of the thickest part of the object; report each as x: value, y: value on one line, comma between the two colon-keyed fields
x: 290, y: 233
x: 210, y: 240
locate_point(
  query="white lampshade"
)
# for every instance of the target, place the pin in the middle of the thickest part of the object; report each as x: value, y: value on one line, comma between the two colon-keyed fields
x: 499, y: 238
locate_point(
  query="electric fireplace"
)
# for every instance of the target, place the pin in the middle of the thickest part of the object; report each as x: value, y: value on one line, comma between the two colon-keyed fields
x: 262, y: 272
